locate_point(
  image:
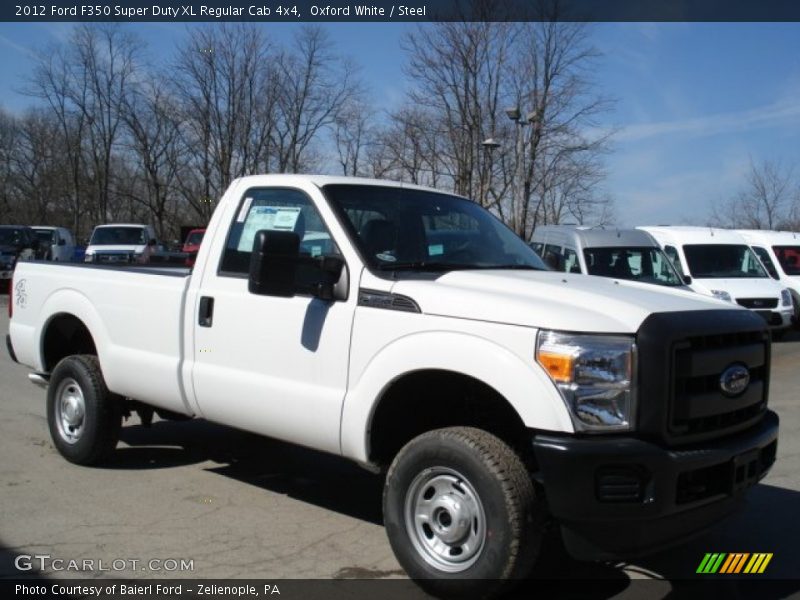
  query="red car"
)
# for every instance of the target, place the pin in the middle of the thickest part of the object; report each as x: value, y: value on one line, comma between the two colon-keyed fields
x: 192, y: 245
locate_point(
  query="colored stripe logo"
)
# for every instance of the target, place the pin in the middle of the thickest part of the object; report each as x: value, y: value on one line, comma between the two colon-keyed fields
x: 734, y: 562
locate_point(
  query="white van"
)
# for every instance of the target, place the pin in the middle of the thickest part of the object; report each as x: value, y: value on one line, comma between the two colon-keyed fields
x: 55, y: 243
x: 628, y: 254
x: 779, y: 252
x: 118, y: 242
x: 721, y: 264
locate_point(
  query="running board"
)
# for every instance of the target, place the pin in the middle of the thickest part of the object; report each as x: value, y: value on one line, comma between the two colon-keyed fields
x: 40, y: 379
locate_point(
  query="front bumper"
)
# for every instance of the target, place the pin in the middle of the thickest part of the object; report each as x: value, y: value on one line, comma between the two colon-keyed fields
x: 622, y: 497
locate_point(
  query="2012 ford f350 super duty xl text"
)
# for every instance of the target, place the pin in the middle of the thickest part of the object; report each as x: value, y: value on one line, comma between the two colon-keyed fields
x: 409, y: 329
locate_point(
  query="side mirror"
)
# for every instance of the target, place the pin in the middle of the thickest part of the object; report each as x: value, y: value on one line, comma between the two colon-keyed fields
x: 687, y: 280
x: 273, y: 264
x: 62, y: 242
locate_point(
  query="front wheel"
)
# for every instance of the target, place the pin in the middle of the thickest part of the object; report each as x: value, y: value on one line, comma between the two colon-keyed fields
x: 84, y: 417
x: 461, y: 513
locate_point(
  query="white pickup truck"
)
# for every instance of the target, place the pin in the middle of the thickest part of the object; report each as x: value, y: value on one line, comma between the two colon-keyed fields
x: 410, y: 331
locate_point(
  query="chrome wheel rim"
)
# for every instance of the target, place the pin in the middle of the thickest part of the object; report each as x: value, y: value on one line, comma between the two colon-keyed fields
x: 70, y: 410
x: 445, y: 519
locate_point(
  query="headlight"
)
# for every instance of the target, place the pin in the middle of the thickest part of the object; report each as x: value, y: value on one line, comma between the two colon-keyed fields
x: 722, y: 295
x: 786, y: 297
x: 594, y: 374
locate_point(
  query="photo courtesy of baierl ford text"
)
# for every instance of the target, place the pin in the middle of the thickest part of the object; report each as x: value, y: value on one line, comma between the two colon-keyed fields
x: 454, y: 299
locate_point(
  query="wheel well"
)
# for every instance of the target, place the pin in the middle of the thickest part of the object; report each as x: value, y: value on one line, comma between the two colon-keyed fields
x: 432, y: 399
x: 65, y: 335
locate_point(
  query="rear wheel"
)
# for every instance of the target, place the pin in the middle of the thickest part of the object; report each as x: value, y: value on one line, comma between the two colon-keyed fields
x: 461, y: 513
x: 84, y: 417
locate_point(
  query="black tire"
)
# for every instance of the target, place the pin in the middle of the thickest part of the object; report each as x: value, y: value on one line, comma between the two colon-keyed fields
x: 91, y: 439
x: 514, y: 516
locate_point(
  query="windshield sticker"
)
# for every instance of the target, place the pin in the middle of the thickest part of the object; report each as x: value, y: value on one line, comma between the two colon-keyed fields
x: 271, y: 218
x: 435, y: 249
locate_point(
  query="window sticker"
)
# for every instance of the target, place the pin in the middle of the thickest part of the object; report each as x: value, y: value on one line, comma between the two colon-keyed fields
x: 435, y: 249
x: 271, y: 218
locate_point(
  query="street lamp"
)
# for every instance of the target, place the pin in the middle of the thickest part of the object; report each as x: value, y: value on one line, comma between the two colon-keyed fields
x: 488, y: 144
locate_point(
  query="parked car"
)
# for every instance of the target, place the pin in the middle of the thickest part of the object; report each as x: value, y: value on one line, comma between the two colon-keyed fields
x: 192, y: 245
x: 721, y: 264
x: 628, y: 254
x: 779, y: 252
x: 118, y: 242
x: 495, y: 394
x: 17, y: 243
x: 56, y: 243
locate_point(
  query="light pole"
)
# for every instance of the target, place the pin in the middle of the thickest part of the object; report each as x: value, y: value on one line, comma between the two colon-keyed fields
x: 489, y: 144
x: 518, y: 188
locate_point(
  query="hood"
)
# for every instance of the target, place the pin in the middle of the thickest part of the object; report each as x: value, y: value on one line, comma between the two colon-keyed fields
x: 567, y: 302
x: 745, y: 287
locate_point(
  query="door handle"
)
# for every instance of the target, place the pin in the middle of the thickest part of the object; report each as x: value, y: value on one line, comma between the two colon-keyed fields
x: 205, y: 316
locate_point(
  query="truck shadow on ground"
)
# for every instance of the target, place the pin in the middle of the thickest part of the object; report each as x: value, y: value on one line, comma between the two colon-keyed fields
x: 768, y: 523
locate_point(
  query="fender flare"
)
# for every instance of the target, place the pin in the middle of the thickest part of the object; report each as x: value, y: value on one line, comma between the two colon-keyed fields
x: 525, y: 386
x: 74, y: 303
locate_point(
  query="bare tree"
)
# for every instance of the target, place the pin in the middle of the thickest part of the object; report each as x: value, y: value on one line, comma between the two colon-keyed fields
x: 353, y: 135
x: 152, y: 125
x: 315, y: 84
x: 227, y: 101
x: 769, y: 199
x: 457, y: 71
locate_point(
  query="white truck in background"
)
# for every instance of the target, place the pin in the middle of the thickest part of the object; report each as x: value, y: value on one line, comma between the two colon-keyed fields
x: 721, y: 264
x: 629, y: 254
x: 118, y: 242
x: 410, y: 331
x: 779, y: 252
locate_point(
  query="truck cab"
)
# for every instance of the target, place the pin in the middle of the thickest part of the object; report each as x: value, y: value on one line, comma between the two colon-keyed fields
x: 628, y: 254
x: 722, y: 264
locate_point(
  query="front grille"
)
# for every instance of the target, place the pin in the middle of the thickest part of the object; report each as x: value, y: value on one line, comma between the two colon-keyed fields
x: 698, y: 404
x: 757, y: 302
x: 681, y: 356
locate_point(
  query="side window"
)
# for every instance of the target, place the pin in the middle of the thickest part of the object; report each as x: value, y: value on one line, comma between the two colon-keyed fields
x: 538, y: 247
x: 278, y: 210
x: 672, y: 255
x: 763, y: 256
x: 552, y: 257
x: 571, y: 264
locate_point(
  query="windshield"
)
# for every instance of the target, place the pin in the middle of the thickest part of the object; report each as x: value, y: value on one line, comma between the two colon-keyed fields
x: 122, y: 236
x: 401, y: 229
x: 722, y: 261
x: 10, y: 237
x: 648, y: 265
x: 46, y: 236
x: 789, y: 257
x: 195, y: 238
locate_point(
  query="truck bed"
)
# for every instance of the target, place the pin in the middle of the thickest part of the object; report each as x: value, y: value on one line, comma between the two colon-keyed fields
x: 134, y: 314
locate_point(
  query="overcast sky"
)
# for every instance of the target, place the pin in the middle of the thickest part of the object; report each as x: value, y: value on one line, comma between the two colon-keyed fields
x: 694, y: 101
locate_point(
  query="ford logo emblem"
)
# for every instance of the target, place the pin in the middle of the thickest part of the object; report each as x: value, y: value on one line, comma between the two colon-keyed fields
x: 734, y: 380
